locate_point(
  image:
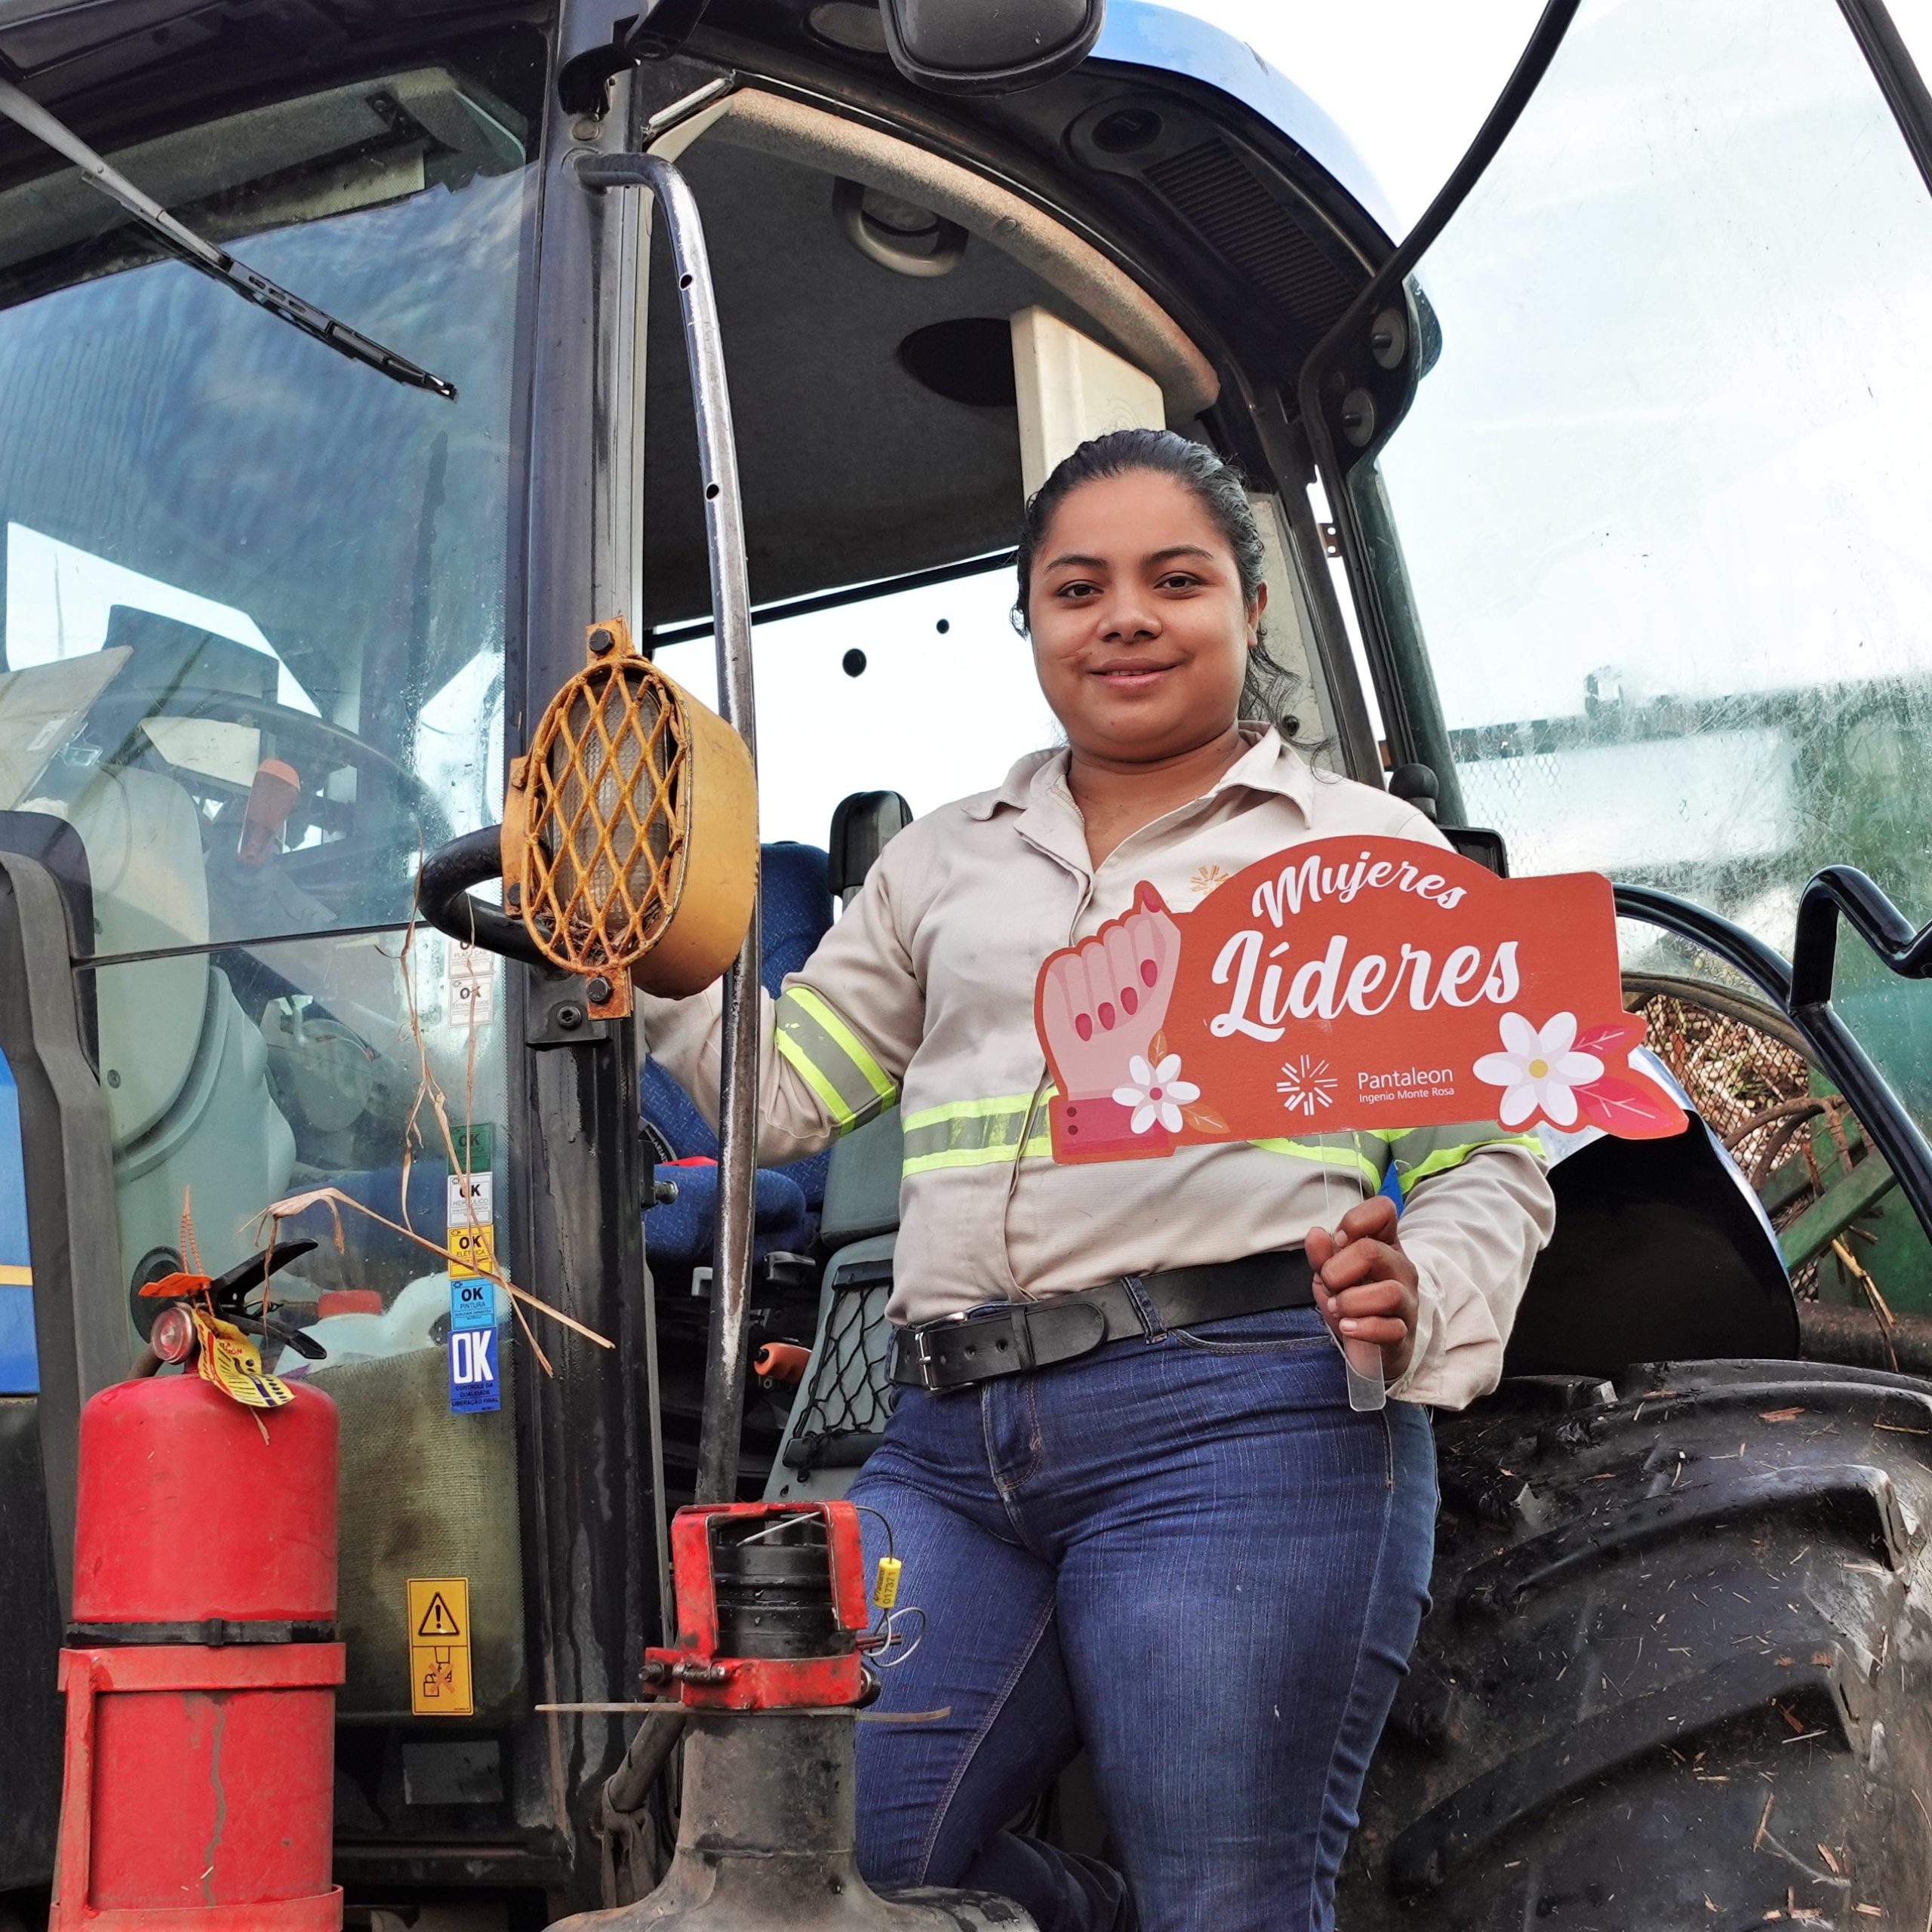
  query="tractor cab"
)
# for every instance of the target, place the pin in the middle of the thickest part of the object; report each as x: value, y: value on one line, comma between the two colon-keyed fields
x: 1592, y: 507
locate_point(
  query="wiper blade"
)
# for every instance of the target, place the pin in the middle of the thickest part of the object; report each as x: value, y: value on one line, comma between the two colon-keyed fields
x: 26, y: 112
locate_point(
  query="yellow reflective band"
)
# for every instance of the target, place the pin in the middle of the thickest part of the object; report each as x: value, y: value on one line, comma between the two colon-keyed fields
x: 1040, y: 1148
x: 1440, y: 1160
x: 1000, y: 1103
x: 971, y: 1133
x: 828, y: 1016
x: 843, y: 1118
x: 13, y: 1275
x: 1349, y: 1160
x: 812, y: 1038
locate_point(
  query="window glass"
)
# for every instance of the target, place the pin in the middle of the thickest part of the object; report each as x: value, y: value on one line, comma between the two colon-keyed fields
x: 297, y: 1065
x: 293, y: 565
x: 929, y: 693
x: 1662, y: 497
x: 254, y: 627
x: 311, y: 1063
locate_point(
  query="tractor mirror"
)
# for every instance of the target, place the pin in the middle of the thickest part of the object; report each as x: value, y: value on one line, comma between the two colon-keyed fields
x: 629, y: 841
x: 978, y: 47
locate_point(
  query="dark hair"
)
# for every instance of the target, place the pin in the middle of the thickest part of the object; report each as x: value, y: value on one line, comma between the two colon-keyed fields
x: 1268, y: 686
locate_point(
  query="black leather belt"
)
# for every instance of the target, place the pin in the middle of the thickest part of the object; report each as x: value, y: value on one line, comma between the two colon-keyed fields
x: 957, y: 1350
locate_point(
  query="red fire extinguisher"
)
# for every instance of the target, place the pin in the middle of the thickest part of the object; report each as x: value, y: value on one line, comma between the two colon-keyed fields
x: 201, y: 1663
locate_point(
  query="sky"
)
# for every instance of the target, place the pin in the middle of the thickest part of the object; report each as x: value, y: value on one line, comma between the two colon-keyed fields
x: 1412, y: 109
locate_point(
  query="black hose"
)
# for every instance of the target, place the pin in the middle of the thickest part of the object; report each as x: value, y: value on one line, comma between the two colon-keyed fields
x: 629, y: 1785
x: 442, y: 895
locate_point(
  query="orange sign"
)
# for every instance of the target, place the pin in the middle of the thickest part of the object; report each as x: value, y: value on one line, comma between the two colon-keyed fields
x: 1346, y: 983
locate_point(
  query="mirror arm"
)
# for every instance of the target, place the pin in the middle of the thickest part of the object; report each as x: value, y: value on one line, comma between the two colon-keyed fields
x: 1870, y: 914
x: 442, y: 896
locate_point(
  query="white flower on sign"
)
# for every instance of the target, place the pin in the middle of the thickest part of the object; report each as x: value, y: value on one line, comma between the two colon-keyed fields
x: 1538, y: 1069
x: 1156, y: 1093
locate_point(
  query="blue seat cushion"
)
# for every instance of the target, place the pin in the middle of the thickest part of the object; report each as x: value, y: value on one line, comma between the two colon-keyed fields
x: 680, y: 1233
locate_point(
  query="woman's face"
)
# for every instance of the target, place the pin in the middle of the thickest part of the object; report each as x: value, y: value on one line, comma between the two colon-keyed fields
x: 1140, y: 637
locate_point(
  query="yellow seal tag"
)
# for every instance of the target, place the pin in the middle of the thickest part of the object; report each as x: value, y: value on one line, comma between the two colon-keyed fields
x: 228, y: 1359
x: 885, y: 1585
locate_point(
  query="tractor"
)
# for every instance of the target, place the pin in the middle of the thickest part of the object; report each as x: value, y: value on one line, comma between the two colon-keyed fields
x: 736, y: 334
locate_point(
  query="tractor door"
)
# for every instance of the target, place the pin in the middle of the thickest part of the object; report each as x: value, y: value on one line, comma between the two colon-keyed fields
x: 1625, y: 450
x: 253, y: 637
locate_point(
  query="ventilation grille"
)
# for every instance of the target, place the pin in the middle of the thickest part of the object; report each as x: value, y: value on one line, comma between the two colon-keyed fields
x: 1220, y: 197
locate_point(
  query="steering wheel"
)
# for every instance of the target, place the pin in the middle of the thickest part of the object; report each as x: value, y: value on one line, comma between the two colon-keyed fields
x: 335, y: 871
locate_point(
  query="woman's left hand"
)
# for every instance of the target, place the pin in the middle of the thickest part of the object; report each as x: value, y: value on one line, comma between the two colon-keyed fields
x: 1364, y: 1285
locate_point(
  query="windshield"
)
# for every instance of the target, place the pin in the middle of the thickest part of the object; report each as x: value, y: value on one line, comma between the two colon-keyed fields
x: 1659, y: 506
x: 300, y: 561
x: 253, y: 622
x: 253, y: 625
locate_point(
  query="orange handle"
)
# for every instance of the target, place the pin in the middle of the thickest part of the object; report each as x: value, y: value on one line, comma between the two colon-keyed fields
x: 782, y: 1361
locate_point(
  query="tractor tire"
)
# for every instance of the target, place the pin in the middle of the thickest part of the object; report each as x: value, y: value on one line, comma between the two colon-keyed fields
x: 1677, y: 1671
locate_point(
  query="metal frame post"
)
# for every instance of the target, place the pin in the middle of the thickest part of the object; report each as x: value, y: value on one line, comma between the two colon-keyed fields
x: 731, y: 599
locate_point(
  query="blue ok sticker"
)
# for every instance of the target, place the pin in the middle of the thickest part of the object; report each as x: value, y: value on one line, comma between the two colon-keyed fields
x: 473, y: 1361
x: 472, y: 1302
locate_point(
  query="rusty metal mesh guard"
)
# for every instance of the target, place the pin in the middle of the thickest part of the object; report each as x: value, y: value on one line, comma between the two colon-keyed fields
x: 1745, y: 1074
x: 1745, y: 1071
x: 846, y: 1399
x: 608, y: 784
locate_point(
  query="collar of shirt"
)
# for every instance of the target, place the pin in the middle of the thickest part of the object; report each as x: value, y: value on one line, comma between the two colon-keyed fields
x: 1038, y: 782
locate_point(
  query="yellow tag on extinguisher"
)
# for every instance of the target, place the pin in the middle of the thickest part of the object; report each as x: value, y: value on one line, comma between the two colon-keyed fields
x: 885, y: 1585
x: 227, y: 1358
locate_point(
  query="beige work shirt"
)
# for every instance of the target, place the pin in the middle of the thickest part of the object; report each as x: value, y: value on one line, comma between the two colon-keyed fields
x: 921, y: 996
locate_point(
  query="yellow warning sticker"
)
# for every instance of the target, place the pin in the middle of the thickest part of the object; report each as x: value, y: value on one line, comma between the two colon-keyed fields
x: 439, y: 1682
x: 472, y: 1251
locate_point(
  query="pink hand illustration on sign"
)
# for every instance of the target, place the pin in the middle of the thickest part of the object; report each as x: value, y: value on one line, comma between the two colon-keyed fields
x: 1103, y: 1009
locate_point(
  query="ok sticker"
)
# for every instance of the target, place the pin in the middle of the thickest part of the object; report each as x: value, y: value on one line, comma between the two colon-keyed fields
x: 472, y: 1302
x: 473, y: 1365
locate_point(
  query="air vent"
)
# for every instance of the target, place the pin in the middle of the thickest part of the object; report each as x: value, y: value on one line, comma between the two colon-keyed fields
x: 1217, y: 193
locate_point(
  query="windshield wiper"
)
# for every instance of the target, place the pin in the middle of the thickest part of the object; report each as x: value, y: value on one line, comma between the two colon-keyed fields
x: 28, y: 113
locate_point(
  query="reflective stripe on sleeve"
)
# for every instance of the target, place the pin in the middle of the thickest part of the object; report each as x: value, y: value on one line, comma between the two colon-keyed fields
x: 971, y: 1133
x: 1421, y: 1153
x: 830, y: 1059
x: 1342, y: 1152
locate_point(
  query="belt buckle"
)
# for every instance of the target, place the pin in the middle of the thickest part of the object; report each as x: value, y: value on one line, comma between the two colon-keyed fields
x: 922, y: 1359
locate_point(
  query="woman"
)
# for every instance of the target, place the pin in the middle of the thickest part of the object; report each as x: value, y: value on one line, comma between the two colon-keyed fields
x: 1170, y: 1540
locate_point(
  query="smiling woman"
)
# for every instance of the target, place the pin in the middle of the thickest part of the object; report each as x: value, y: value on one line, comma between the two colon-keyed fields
x: 1151, y: 1337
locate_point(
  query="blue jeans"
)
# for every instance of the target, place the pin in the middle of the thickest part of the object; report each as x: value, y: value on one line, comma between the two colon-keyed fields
x: 1186, y: 1553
